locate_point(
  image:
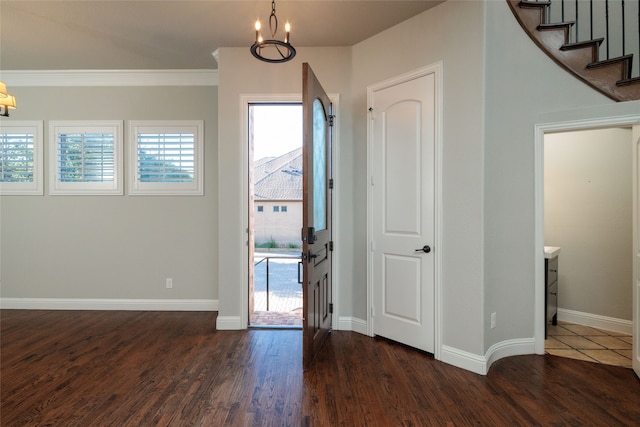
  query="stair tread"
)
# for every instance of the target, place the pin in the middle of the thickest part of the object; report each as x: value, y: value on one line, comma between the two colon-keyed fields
x: 629, y: 81
x: 609, y: 61
x: 535, y: 3
x: 578, y: 45
x: 556, y: 25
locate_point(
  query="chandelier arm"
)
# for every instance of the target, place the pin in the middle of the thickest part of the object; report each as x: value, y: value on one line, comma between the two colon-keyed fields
x: 280, y: 52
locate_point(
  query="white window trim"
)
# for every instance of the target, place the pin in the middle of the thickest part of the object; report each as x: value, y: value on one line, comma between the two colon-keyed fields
x: 86, y: 188
x: 36, y: 187
x: 137, y: 188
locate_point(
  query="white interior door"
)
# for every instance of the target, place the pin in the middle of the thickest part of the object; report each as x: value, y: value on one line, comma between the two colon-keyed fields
x: 635, y: 353
x: 402, y: 167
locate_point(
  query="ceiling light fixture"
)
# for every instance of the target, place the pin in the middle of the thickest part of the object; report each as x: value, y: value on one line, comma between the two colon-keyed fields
x: 273, y: 50
x: 7, y: 101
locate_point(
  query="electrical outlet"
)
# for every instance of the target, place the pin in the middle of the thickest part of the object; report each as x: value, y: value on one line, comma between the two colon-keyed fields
x: 493, y: 320
x: 169, y: 283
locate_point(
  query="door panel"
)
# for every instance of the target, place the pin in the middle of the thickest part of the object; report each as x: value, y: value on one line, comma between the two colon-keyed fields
x: 316, y: 224
x: 403, y: 210
x: 401, y: 162
x: 401, y: 293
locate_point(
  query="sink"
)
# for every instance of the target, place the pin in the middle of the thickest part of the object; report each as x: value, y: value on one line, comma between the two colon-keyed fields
x: 551, y: 252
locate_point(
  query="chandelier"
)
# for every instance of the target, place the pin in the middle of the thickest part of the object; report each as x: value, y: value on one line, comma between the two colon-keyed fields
x: 7, y: 101
x: 273, y: 50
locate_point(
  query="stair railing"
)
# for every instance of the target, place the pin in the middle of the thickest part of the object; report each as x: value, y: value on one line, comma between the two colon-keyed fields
x: 616, y: 21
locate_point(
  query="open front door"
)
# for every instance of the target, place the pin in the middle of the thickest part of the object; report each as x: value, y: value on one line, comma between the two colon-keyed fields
x: 635, y: 353
x: 316, y: 222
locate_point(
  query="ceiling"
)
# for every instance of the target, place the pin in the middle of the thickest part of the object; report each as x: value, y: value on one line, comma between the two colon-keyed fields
x: 176, y: 34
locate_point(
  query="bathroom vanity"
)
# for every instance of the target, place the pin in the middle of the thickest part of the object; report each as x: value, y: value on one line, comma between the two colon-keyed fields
x: 551, y: 285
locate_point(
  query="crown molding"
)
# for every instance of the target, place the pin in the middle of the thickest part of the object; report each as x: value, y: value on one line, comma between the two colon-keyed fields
x: 110, y: 77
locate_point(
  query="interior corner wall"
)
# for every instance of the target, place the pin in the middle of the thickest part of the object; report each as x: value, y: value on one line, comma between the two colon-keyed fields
x: 451, y: 32
x: 523, y: 88
x: 240, y: 74
x: 112, y: 247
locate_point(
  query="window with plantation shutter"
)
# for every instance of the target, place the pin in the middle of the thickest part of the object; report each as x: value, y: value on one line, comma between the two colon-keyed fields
x: 86, y: 157
x: 166, y: 157
x: 21, y: 158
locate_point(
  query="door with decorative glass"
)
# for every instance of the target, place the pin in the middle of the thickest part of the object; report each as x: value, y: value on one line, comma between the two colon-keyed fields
x: 317, y: 242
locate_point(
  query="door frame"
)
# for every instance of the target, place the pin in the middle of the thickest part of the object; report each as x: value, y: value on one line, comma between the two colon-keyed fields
x: 437, y: 70
x: 539, y: 291
x: 285, y: 98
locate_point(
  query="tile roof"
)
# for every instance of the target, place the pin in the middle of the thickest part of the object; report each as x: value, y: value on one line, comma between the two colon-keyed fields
x: 279, y: 178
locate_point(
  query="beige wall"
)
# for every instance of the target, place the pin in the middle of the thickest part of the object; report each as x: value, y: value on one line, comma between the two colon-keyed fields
x: 283, y: 227
x: 588, y: 213
x: 452, y: 33
x: 497, y: 87
x: 430, y: 37
x: 240, y: 74
x: 113, y: 247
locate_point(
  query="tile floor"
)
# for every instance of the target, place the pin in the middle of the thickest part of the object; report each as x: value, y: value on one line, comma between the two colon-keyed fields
x: 292, y: 319
x: 590, y: 344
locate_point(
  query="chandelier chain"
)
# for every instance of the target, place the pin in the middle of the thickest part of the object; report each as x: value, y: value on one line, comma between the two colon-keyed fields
x: 273, y: 19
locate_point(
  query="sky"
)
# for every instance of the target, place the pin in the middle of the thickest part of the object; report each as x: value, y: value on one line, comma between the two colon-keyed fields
x: 277, y: 129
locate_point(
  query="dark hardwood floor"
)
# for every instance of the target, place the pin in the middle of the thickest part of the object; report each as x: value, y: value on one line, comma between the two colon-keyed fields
x: 106, y: 368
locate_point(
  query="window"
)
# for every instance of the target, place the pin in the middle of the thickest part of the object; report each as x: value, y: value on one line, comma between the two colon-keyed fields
x: 276, y: 208
x: 85, y: 157
x: 283, y: 208
x: 21, y: 158
x: 166, y: 157
x: 260, y: 208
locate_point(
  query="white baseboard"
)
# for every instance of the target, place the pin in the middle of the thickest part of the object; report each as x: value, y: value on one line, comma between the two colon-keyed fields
x: 595, y: 321
x: 462, y: 359
x: 508, y: 348
x: 354, y: 324
x: 481, y: 364
x: 109, y: 304
x: 228, y: 323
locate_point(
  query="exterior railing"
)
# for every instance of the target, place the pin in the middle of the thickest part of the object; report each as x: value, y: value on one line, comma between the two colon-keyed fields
x: 617, y: 21
x: 267, y: 260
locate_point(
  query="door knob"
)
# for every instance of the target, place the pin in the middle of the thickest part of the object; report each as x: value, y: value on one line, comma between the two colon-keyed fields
x: 426, y: 249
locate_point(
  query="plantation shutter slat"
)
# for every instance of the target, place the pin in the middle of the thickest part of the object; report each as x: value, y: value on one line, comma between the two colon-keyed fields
x: 166, y: 157
x: 86, y: 157
x: 17, y: 157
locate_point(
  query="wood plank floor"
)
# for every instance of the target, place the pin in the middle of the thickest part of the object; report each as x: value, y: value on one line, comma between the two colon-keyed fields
x: 97, y: 368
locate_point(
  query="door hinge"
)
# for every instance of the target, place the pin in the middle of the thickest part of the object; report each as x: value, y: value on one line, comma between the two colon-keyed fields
x: 330, y: 183
x: 331, y: 245
x: 332, y: 119
x: 331, y: 307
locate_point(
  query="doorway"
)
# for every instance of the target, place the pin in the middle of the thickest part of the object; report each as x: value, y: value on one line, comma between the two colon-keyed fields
x: 588, y: 207
x: 275, y: 214
x: 539, y: 234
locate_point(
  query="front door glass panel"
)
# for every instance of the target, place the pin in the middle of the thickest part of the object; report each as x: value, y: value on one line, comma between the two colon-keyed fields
x: 319, y: 167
